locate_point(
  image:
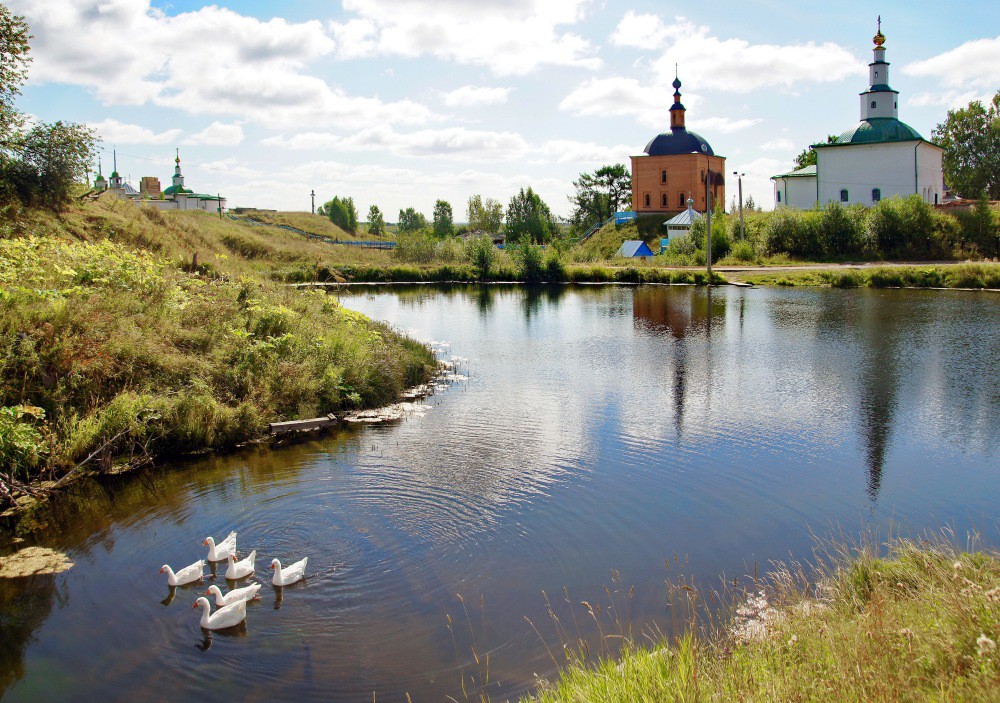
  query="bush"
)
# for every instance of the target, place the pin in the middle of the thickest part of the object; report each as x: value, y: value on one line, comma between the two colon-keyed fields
x: 529, y: 260
x: 743, y: 250
x: 482, y: 254
x: 21, y: 444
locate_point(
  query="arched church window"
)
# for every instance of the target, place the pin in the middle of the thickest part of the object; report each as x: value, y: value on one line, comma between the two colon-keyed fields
x: 663, y: 200
x: 663, y: 176
x: 873, y: 103
x: 779, y: 196
x: 647, y: 200
x: 843, y: 195
x: 876, y: 194
x: 680, y: 200
x: 876, y: 74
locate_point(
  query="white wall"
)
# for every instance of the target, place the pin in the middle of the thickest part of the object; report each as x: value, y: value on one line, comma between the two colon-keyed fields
x: 798, y: 192
x: 895, y: 168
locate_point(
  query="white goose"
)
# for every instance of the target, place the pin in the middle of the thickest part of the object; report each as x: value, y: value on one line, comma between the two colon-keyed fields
x: 228, y: 616
x: 222, y: 550
x: 189, y: 574
x: 290, y: 574
x: 240, y: 569
x: 236, y: 594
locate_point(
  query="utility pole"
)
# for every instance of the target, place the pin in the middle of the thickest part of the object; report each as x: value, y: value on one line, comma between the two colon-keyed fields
x: 313, y: 194
x: 739, y: 178
x: 219, y: 196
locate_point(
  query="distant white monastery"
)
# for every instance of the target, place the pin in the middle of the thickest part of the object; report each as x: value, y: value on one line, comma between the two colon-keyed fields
x: 877, y: 158
x: 175, y: 197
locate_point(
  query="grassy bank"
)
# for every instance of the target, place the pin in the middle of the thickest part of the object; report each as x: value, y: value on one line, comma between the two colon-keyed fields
x: 115, y: 347
x: 968, y: 275
x: 917, y: 625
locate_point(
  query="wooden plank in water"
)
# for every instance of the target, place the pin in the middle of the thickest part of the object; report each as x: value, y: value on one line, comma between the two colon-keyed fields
x: 315, y: 423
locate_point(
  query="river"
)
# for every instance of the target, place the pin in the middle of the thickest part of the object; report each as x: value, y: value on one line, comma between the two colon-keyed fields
x: 594, y: 436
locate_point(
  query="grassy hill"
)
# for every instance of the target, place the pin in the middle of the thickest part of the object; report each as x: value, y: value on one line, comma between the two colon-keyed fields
x: 127, y: 333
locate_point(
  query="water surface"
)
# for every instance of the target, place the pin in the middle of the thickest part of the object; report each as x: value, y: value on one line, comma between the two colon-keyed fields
x: 597, y: 428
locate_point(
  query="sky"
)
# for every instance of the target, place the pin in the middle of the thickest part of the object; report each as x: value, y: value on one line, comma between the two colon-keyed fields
x: 399, y: 103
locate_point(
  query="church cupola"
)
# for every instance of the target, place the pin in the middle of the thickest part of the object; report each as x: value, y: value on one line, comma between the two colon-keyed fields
x: 879, y: 100
x: 677, y: 109
x: 178, y: 179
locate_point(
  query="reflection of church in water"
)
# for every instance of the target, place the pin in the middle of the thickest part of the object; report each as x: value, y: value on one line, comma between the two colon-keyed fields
x: 687, y: 318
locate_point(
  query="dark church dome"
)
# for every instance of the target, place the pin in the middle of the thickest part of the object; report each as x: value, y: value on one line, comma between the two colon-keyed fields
x: 678, y: 141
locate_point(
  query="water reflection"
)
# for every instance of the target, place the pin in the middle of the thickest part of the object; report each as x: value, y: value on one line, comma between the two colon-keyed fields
x: 601, y: 427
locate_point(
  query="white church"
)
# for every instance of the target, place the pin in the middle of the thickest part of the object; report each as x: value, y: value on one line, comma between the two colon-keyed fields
x: 876, y: 158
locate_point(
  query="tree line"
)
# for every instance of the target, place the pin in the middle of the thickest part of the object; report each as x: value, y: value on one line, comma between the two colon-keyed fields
x: 597, y: 197
x: 40, y: 162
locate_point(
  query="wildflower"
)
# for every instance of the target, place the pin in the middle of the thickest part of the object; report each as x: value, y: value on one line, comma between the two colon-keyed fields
x: 906, y: 632
x: 793, y: 640
x: 993, y: 596
x: 986, y: 645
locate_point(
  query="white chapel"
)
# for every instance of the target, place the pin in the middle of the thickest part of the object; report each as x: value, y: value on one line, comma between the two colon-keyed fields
x: 876, y: 158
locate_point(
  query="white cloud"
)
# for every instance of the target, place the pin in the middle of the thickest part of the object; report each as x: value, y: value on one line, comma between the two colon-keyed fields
x: 568, y: 151
x: 218, y: 134
x: 974, y: 64
x: 470, y: 95
x: 209, y: 61
x: 452, y: 141
x: 649, y: 105
x: 112, y: 131
x: 455, y: 142
x: 622, y: 97
x: 510, y: 37
x: 734, y: 65
x: 777, y: 144
x: 726, y: 125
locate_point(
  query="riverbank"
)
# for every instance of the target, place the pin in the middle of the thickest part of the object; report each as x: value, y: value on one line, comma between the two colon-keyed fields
x: 919, y: 624
x: 119, y: 345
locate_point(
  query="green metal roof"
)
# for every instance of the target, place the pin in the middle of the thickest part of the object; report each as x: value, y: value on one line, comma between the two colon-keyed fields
x: 876, y: 130
x: 177, y: 189
x: 803, y: 172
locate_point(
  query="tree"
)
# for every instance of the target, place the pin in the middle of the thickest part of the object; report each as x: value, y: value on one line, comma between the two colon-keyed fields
x: 14, y: 60
x: 444, y: 221
x: 485, y: 215
x: 971, y: 140
x: 600, y: 194
x: 529, y: 218
x: 482, y: 254
x: 808, y: 156
x: 376, y: 225
x: 410, y: 220
x: 341, y: 212
x: 51, y: 159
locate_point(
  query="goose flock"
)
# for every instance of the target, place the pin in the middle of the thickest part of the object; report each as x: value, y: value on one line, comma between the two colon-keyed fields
x: 232, y: 606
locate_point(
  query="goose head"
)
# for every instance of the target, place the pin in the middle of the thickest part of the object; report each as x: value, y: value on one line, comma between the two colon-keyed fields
x: 164, y: 569
x: 202, y: 602
x: 275, y: 564
x: 213, y: 590
x: 209, y: 541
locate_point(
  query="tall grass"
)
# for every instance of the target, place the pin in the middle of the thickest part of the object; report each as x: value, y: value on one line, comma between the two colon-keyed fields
x: 914, y: 621
x: 113, y: 347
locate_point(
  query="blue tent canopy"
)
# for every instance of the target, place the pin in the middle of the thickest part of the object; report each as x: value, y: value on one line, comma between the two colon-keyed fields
x: 633, y: 248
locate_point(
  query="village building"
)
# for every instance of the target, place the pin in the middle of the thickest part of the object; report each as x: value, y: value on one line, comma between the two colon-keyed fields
x: 877, y: 158
x: 174, y: 197
x: 675, y: 167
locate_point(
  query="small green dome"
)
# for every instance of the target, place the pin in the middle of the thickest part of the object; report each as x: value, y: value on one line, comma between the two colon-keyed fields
x: 177, y: 189
x: 879, y: 129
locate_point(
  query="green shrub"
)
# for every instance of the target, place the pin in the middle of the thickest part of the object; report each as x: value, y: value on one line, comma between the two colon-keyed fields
x: 482, y: 253
x: 743, y: 250
x: 529, y: 259
x: 21, y: 443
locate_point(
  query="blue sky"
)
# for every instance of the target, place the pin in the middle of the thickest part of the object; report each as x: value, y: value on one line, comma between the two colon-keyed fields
x: 398, y: 103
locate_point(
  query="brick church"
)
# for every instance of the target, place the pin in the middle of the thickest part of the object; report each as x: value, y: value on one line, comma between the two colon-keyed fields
x: 676, y: 166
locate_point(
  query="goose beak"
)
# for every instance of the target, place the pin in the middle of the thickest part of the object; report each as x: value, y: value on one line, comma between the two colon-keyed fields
x: 205, y: 543
x: 160, y: 571
x: 194, y: 605
x: 272, y: 567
